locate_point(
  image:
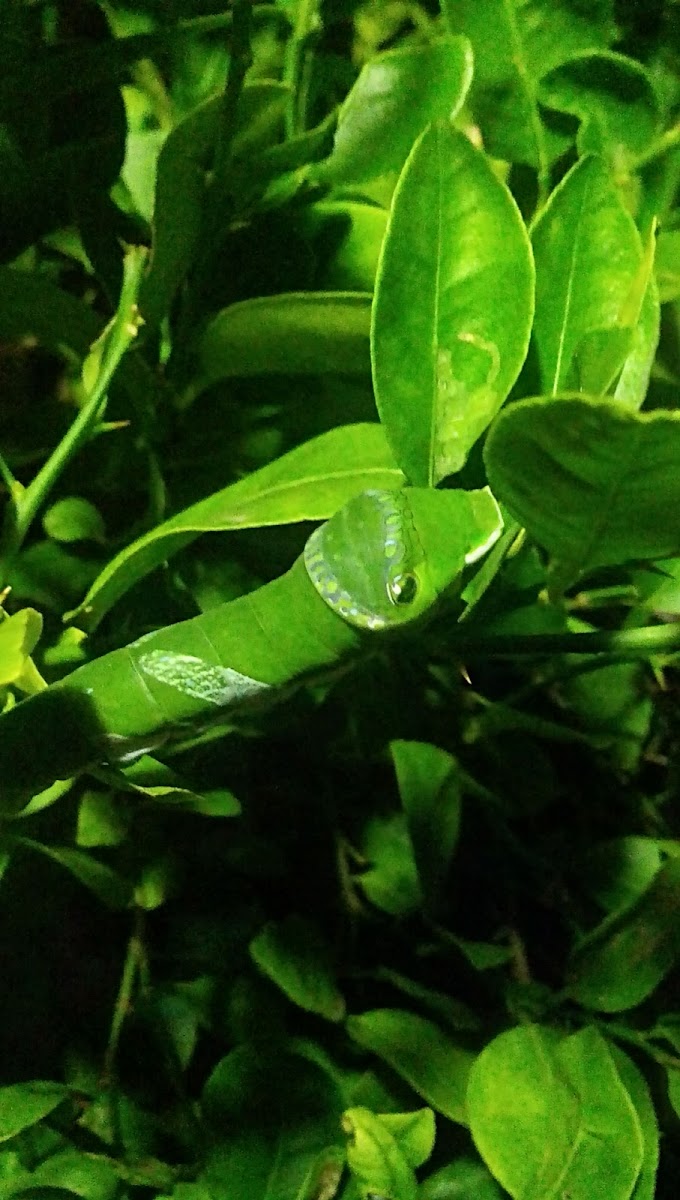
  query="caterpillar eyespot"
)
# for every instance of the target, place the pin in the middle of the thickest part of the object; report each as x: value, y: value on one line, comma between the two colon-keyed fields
x: 403, y: 589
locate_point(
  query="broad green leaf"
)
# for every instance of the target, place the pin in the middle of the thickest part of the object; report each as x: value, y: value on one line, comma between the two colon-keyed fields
x: 414, y: 1133
x: 483, y: 956
x: 295, y: 957
x: 308, y: 483
x: 91, y: 1176
x: 107, y: 885
x: 620, y: 962
x: 101, y: 821
x: 668, y: 1028
x: 375, y: 1158
x: 453, y: 305
x: 635, y: 1084
x: 631, y: 388
x: 588, y: 255
x: 139, y: 171
x: 612, y: 702
x: 613, y: 97
x: 181, y: 183
x: 524, y: 1117
x: 618, y: 871
x: 272, y: 1119
x: 463, y: 1179
x: 515, y: 42
x: 155, y: 883
x: 674, y: 1089
x: 551, y: 1116
x: 24, y: 1104
x: 396, y: 95
x: 613, y: 477
x: 667, y: 264
x: 356, y: 232
x: 610, y: 1152
x: 19, y: 635
x: 74, y: 519
x: 391, y: 881
x: 46, y: 798
x: 429, y: 786
x: 156, y: 782
x: 420, y: 1052
x: 295, y: 333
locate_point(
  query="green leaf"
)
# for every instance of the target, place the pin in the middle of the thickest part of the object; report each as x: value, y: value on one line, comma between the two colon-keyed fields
x: 180, y: 184
x: 434, y: 1065
x: 515, y: 44
x: 620, y: 962
x: 74, y: 519
x: 308, y: 483
x: 107, y: 885
x: 588, y: 255
x: 551, y: 1116
x: 635, y: 1084
x: 463, y: 1179
x: 453, y: 305
x: 356, y: 233
x: 156, y: 882
x: 396, y: 95
x: 613, y: 477
x: 101, y: 822
x: 273, y: 1119
x: 618, y: 871
x: 391, y: 881
x: 19, y: 635
x: 667, y: 264
x: 631, y: 388
x: 93, y: 1177
x: 429, y: 786
x: 612, y: 702
x: 295, y: 957
x: 158, y: 783
x: 296, y: 333
x: 673, y: 1076
x: 414, y: 1133
x: 483, y: 956
x: 24, y: 1104
x: 614, y: 99
x: 375, y: 1158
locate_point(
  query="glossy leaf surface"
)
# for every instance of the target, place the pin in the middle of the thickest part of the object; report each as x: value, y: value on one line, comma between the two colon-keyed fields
x: 396, y: 95
x: 613, y: 475
x: 429, y: 1060
x: 588, y: 254
x: 295, y: 487
x: 548, y: 1114
x: 620, y: 962
x: 453, y: 306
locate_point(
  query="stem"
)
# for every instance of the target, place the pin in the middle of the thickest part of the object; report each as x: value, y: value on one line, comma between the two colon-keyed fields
x: 618, y: 644
x: 642, y: 1041
x: 217, y: 21
x: 110, y: 348
x: 294, y: 72
x: 667, y: 141
x: 135, y: 960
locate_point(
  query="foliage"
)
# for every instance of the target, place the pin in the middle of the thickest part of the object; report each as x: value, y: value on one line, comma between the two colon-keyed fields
x: 404, y: 927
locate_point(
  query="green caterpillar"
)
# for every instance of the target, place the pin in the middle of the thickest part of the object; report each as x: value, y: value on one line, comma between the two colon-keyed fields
x: 380, y: 563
